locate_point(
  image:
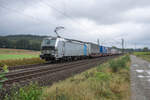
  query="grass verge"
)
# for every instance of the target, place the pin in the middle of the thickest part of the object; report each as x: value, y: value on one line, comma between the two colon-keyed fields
x: 109, y: 81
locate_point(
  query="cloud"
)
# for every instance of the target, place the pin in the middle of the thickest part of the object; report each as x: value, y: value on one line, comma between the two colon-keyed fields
x: 108, y: 20
x: 137, y: 15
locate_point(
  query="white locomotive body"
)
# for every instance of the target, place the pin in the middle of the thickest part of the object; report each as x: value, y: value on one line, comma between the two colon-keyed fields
x: 59, y: 48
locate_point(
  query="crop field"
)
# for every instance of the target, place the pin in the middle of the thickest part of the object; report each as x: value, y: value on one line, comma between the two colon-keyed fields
x: 8, y: 54
x: 16, y: 57
x: 143, y: 55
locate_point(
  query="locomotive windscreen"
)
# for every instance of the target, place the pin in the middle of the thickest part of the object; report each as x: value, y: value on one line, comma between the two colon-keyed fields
x: 49, y: 42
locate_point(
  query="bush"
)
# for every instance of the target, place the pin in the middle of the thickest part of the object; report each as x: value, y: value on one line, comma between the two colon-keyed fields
x: 101, y: 76
x: 2, y: 74
x: 115, y: 65
x: 126, y: 58
x: 31, y: 92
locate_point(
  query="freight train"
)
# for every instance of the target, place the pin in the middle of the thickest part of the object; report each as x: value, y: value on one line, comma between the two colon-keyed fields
x: 57, y: 48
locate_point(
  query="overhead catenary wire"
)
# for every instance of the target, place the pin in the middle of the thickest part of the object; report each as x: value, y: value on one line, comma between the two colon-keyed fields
x: 65, y: 15
x: 68, y: 16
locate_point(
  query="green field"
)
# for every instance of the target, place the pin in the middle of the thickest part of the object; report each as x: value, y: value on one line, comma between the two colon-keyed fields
x: 16, y: 56
x: 143, y: 55
x: 8, y: 54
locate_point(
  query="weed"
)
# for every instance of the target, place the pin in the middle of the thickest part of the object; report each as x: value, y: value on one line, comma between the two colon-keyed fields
x: 115, y: 65
x: 101, y: 76
x: 126, y: 58
x: 31, y: 92
x: 2, y: 74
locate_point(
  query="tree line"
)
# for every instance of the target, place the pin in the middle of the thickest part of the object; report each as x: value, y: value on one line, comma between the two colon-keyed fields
x: 33, y: 42
x: 29, y: 42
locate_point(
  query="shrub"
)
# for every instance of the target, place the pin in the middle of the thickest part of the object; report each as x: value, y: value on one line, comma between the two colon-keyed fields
x: 101, y: 76
x: 126, y: 58
x: 31, y: 92
x: 115, y: 65
x: 2, y: 74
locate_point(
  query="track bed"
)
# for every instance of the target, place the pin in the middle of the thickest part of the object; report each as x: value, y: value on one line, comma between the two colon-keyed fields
x: 49, y: 73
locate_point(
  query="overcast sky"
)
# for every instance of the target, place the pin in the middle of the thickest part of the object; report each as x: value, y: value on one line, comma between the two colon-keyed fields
x: 86, y: 20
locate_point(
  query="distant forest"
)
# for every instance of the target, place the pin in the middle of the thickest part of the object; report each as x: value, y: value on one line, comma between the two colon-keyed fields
x: 29, y: 42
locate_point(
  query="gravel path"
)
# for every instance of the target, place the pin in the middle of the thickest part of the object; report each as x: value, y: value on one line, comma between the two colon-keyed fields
x: 140, y: 79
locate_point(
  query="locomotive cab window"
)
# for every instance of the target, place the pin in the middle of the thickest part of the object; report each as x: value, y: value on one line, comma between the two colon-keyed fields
x: 49, y: 42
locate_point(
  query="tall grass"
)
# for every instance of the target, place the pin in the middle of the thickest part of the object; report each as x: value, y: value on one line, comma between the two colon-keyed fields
x: 115, y: 65
x: 31, y: 92
x: 101, y: 83
x: 25, y: 61
x: 3, y: 72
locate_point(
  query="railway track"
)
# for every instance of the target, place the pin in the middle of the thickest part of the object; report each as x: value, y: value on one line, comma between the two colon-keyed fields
x: 37, y: 65
x: 39, y: 73
x: 46, y: 75
x: 16, y: 77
